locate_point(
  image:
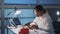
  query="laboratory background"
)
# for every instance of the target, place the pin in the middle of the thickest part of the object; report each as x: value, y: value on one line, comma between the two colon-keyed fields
x: 26, y: 14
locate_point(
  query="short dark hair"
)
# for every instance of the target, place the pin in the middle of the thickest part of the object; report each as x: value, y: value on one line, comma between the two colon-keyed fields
x: 39, y: 7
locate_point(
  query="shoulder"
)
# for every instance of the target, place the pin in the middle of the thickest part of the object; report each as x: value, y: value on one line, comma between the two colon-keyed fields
x: 47, y: 17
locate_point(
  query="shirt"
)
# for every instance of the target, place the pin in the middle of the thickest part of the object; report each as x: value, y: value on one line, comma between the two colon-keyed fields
x: 43, y: 22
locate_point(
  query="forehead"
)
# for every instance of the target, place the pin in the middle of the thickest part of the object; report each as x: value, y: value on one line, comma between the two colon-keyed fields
x: 35, y: 10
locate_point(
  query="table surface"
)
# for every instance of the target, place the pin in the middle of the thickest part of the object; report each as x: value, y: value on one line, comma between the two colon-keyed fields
x: 16, y: 30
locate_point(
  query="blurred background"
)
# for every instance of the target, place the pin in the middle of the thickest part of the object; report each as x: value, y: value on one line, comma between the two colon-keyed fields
x: 27, y: 14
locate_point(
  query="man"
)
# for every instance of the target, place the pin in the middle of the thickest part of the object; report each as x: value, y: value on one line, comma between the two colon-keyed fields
x: 43, y: 20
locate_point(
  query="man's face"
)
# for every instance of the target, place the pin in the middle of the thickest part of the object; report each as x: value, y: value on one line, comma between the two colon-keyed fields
x: 37, y: 13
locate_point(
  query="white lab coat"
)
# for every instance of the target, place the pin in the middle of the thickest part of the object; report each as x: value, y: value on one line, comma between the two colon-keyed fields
x: 44, y: 22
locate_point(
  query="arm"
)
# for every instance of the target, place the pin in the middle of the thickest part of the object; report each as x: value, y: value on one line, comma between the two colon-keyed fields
x: 47, y: 23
